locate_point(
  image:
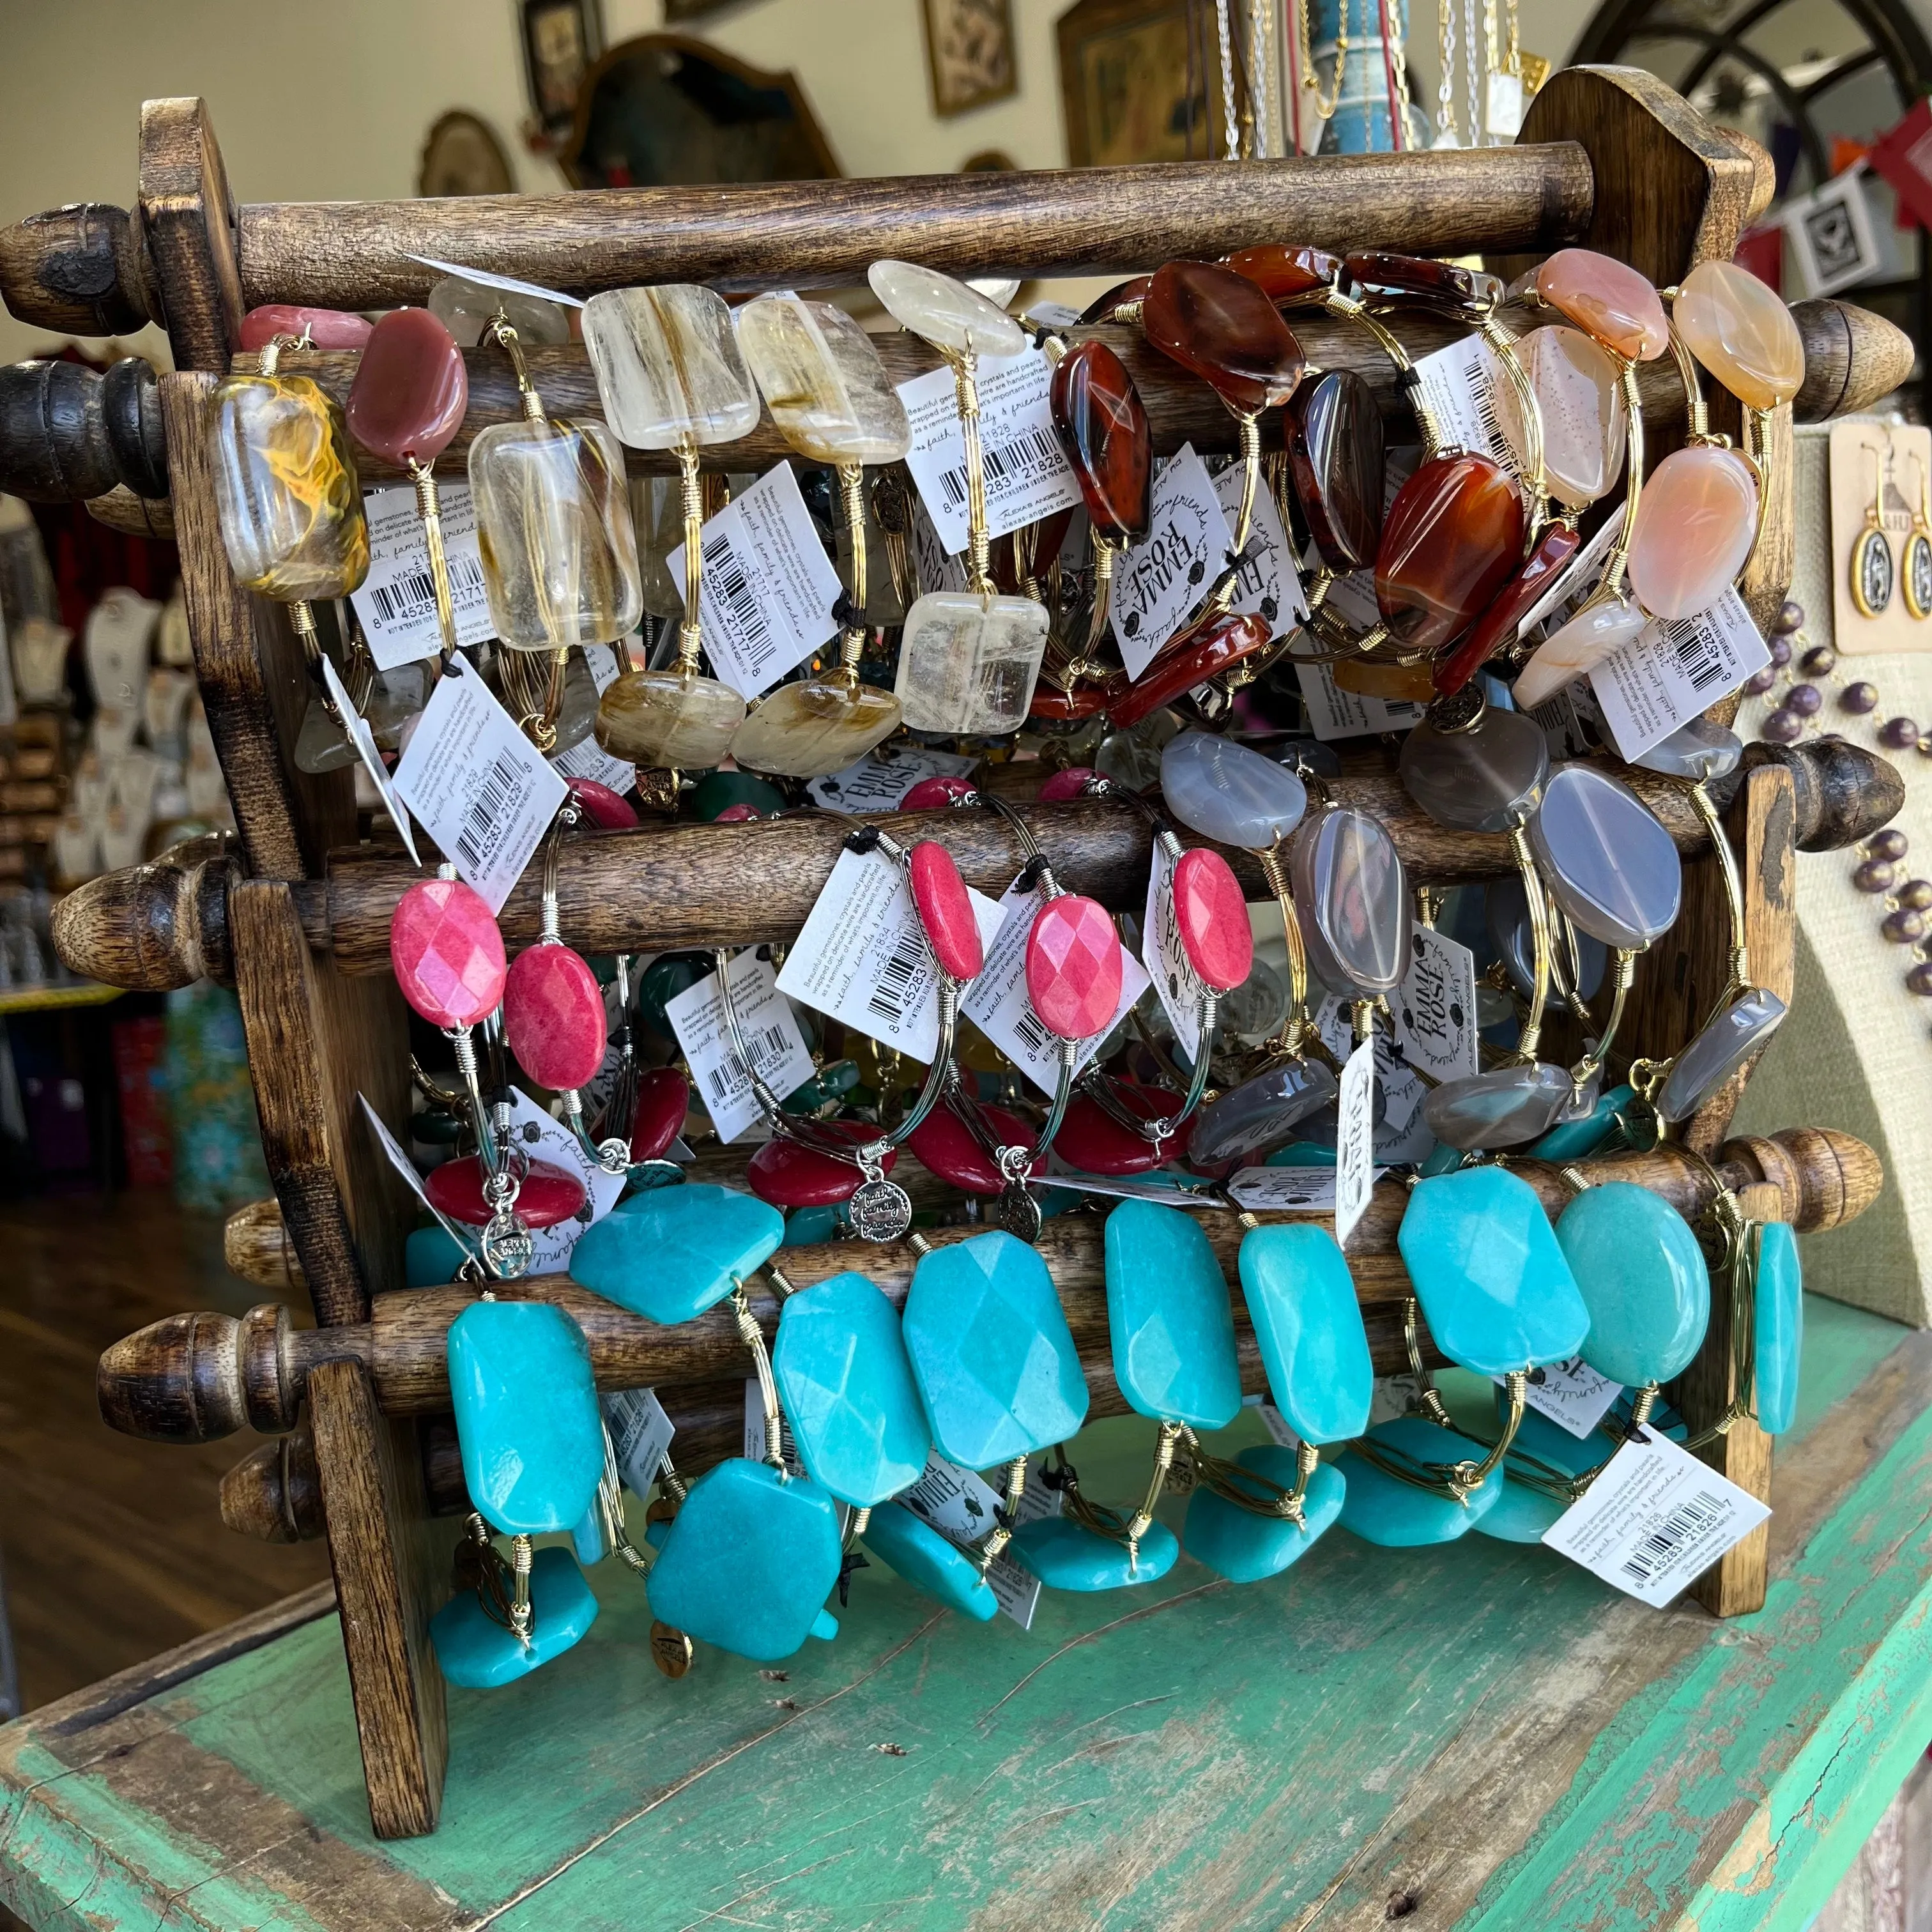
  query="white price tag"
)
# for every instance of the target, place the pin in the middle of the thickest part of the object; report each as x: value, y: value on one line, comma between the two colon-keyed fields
x: 861, y: 957
x: 587, y: 758
x: 769, y: 587
x: 397, y: 602
x: 364, y: 739
x: 1027, y: 474
x: 1403, y: 1134
x: 880, y: 780
x: 1052, y: 315
x: 1571, y: 1394
x: 771, y: 1035
x: 1268, y: 585
x: 1284, y: 1190
x: 997, y: 1002
x: 640, y: 1432
x: 1655, y: 1520
x: 1502, y: 112
x: 476, y: 784
x: 1576, y: 579
x: 960, y: 1505
x: 1671, y: 673
x: 1335, y: 713
x: 1434, y: 1007
x: 1393, y: 1395
x: 1160, y: 579
x: 1459, y: 385
x: 1355, y: 1141
x: 543, y: 1139
x: 1177, y: 984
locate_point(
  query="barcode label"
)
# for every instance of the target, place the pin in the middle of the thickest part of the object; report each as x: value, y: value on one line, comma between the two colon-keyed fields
x: 1698, y: 657
x: 908, y: 959
x: 730, y: 1081
x: 1458, y: 388
x: 1663, y: 1543
x: 414, y: 592
x: 1012, y: 462
x: 502, y: 788
x: 396, y: 601
x: 1671, y: 673
x: 1334, y: 713
x: 772, y: 1038
x: 754, y: 634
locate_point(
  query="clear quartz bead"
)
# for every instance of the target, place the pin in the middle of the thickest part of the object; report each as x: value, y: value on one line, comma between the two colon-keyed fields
x: 814, y: 726
x: 1577, y: 650
x: 577, y: 715
x: 945, y: 312
x: 1613, y: 868
x: 823, y: 381
x: 668, y: 366
x: 669, y: 719
x: 1484, y: 779
x: 968, y: 665
x: 467, y: 308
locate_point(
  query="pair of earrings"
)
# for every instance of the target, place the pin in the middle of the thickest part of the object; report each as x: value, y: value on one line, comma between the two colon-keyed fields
x: 1875, y: 573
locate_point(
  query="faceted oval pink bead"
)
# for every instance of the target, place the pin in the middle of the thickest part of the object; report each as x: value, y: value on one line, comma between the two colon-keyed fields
x: 1695, y: 523
x: 930, y: 794
x: 327, y: 328
x: 1072, y: 783
x: 411, y: 389
x: 601, y: 805
x: 548, y: 1194
x: 945, y: 910
x: 554, y: 1017
x: 1073, y: 966
x: 447, y: 952
x: 1212, y: 917
x: 1607, y: 299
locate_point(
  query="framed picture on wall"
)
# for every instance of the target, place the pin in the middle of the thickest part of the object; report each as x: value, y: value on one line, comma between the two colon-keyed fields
x: 969, y: 52
x: 1138, y: 81
x: 562, y: 38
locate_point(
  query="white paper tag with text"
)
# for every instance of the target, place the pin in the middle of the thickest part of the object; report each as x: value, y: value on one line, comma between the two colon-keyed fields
x: 1160, y: 579
x: 862, y: 959
x: 1335, y: 713
x: 396, y: 601
x: 771, y: 1036
x: 364, y: 739
x: 1403, y: 1134
x: 880, y: 781
x: 1459, y: 385
x: 1671, y: 673
x: 1178, y: 987
x: 1284, y: 1190
x: 1027, y: 474
x: 960, y: 1505
x: 1434, y: 1007
x: 1170, y: 1187
x: 1655, y: 1520
x: 1355, y: 1141
x: 769, y: 587
x: 640, y: 1432
x: 754, y: 1429
x: 587, y: 758
x: 1571, y: 1394
x: 542, y: 1138
x: 1268, y: 585
x: 1052, y: 315
x: 477, y: 785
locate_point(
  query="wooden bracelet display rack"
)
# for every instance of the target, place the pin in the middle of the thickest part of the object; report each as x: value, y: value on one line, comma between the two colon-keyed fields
x: 295, y: 913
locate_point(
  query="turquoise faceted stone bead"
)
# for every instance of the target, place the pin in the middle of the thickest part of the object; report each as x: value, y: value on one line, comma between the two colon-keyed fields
x: 928, y: 1562
x: 526, y: 1416
x: 671, y: 1253
x: 1441, y: 1159
x: 848, y: 1390
x: 807, y: 1227
x: 991, y: 1351
x: 1169, y: 1313
x: 1301, y: 1153
x: 1493, y: 1281
x: 1301, y: 1300
x: 430, y: 1257
x: 1642, y: 1275
x: 1383, y: 1509
x: 586, y: 1536
x: 1243, y: 1547
x: 748, y: 1561
x: 1521, y: 1514
x: 1779, y: 1327
x: 1064, y: 1556
x: 1577, y: 1140
x: 474, y: 1651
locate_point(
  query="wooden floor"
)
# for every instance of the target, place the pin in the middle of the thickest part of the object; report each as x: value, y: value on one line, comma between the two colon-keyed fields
x: 113, y: 1548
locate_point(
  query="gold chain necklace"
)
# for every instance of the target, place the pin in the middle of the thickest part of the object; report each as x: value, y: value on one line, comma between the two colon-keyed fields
x: 1310, y: 79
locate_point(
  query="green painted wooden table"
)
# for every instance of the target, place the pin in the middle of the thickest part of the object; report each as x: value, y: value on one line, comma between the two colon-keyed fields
x: 1479, y: 1735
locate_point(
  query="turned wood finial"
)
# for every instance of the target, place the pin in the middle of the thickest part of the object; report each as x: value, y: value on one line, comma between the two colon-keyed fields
x: 149, y: 928
x: 197, y: 1377
x: 255, y: 1245
x: 68, y: 433
x: 1825, y: 1177
x: 1843, y: 792
x: 82, y: 270
x: 1852, y: 357
x: 274, y: 1493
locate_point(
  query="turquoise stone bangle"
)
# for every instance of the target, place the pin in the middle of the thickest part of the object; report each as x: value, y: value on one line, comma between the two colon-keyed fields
x: 1642, y: 1275
x: 475, y: 1651
x: 928, y: 1561
x: 1168, y: 1314
x: 1301, y: 1300
x: 1778, y: 1330
x: 1383, y: 1509
x: 671, y: 1253
x: 1065, y: 1555
x: 1243, y: 1546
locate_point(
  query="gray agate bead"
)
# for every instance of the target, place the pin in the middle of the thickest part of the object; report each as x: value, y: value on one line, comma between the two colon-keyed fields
x: 1484, y: 779
x: 1719, y: 1051
x: 1352, y: 899
x: 1261, y: 1112
x: 1502, y: 1108
x: 1228, y: 793
x: 1613, y: 868
x: 1697, y: 750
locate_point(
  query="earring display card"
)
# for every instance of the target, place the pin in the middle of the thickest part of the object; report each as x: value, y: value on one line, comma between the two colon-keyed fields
x: 1890, y: 464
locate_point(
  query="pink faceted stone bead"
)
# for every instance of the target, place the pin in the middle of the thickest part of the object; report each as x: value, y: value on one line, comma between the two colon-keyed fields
x: 447, y: 954
x: 788, y: 1175
x: 547, y: 1195
x: 411, y: 389
x: 1212, y: 917
x: 327, y: 328
x: 1071, y: 783
x: 932, y: 794
x: 1093, y: 1141
x: 664, y: 1099
x: 601, y: 805
x: 554, y: 1017
x: 1608, y: 300
x: 737, y: 814
x: 946, y: 1146
x: 1695, y: 523
x: 1073, y: 968
x: 945, y: 910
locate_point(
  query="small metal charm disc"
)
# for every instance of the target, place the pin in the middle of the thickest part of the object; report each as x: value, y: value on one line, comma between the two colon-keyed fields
x: 671, y: 1650
x: 509, y: 1246
x: 1017, y: 1211
x: 880, y: 1210
x: 1872, y: 572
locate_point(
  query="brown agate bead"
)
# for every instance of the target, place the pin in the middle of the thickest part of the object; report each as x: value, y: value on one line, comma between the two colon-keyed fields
x: 1213, y: 643
x: 1284, y: 273
x: 1336, y: 453
x: 411, y: 389
x: 1449, y: 542
x: 1103, y: 425
x: 1378, y: 273
x: 1492, y: 631
x: 1102, y: 308
x: 1222, y: 327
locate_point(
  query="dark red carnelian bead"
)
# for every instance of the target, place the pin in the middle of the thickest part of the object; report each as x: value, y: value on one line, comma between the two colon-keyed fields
x: 1493, y: 630
x: 1103, y: 426
x: 1336, y: 456
x: 1211, y: 645
x: 1450, y: 541
x: 1222, y: 327
x: 1283, y: 274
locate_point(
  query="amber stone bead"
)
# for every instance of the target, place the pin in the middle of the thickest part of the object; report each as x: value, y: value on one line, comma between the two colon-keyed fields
x: 1378, y: 273
x: 1103, y: 424
x: 1051, y: 701
x: 1213, y: 643
x: 1336, y: 455
x: 1450, y: 540
x: 1493, y: 630
x: 1101, y: 307
x: 1283, y: 273
x: 1222, y: 327
x: 410, y: 389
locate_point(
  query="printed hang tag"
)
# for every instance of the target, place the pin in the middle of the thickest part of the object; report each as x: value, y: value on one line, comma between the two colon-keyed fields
x: 364, y: 739
x: 1670, y: 673
x: 1655, y: 1520
x: 1053, y: 315
x: 1403, y: 1134
x: 397, y: 602
x: 542, y: 1138
x: 1436, y: 1007
x: 1502, y: 111
x: 587, y: 758
x: 962, y: 1506
x: 477, y: 785
x: 1571, y: 1394
x: 1027, y: 473
x: 863, y: 958
x: 1335, y: 713
x: 769, y: 587
x: 771, y: 1036
x: 935, y: 568
x: 1267, y: 584
x: 1355, y: 1141
x: 1169, y: 1187
x: 640, y: 1433
x: 1158, y: 582
x: 1178, y: 987
x: 997, y: 1002
x: 880, y: 781
x: 1458, y: 387
x: 1289, y: 1190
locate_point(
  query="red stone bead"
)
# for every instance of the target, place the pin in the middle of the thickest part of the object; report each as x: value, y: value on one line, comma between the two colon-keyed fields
x: 1212, y: 917
x: 737, y: 814
x: 411, y: 389
x: 1103, y: 425
x: 788, y: 1175
x: 1093, y: 1141
x: 931, y: 794
x: 327, y: 328
x: 1219, y: 325
x: 1284, y: 273
x: 1071, y: 783
x: 554, y: 1017
x: 547, y: 1195
x: 945, y: 910
x: 1450, y: 541
x: 1493, y: 630
x: 1207, y: 648
x: 664, y: 1099
x: 1332, y: 427
x: 1084, y: 700
x: 1101, y: 307
x: 1073, y: 968
x: 946, y: 1146
x: 601, y: 805
x: 1377, y: 271
x: 447, y: 952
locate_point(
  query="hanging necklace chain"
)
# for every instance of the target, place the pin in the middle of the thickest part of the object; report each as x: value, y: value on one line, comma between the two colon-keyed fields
x: 1445, y: 84
x: 1262, y: 120
x: 1325, y: 110
x: 1471, y: 79
x: 1230, y: 124
x: 1398, y: 54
